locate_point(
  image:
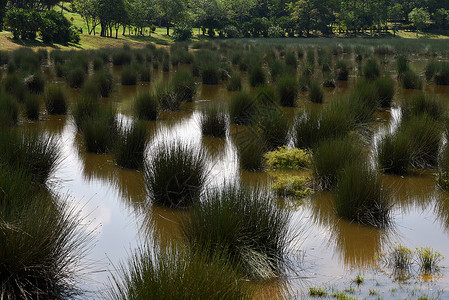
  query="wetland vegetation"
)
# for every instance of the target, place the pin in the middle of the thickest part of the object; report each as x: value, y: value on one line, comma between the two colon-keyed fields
x: 244, y: 158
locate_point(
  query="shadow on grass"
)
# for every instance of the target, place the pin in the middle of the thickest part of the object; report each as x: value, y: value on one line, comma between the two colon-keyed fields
x: 146, y: 39
x: 35, y: 43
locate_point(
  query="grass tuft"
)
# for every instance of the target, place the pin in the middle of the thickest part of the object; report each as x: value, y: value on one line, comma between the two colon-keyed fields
x: 129, y: 150
x: 55, y: 100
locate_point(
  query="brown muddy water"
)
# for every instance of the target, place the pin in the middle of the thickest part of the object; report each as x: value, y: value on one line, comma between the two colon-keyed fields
x: 329, y: 252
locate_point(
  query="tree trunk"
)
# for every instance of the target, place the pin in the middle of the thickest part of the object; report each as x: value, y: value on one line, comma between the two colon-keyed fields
x: 124, y: 29
x: 168, y: 28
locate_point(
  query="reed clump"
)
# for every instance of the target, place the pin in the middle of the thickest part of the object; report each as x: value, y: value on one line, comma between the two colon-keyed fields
x: 146, y: 106
x: 175, y: 175
x: 184, y: 86
x: 287, y: 90
x: 55, y: 100
x: 129, y: 150
x: 100, y: 131
x: 213, y: 121
x: 9, y: 110
x: 129, y: 75
x: 244, y: 223
x: 242, y: 108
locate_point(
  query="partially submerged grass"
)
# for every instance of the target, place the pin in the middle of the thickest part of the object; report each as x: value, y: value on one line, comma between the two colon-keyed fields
x: 273, y: 127
x: 129, y: 75
x: 100, y: 131
x: 428, y: 259
x: 244, y: 223
x: 422, y: 104
x: 361, y: 197
x: 214, y: 121
x: 37, y: 154
x: 411, y: 81
x: 235, y: 82
x: 84, y: 109
x: 371, y: 69
x: 9, y: 110
x: 257, y: 75
x: 241, y: 108
x: 330, y: 157
x: 166, y: 97
x: 129, y: 150
x: 32, y: 107
x: 287, y: 90
x: 55, y: 100
x: 175, y: 174
x: 174, y: 273
x: 394, y: 153
x: 184, y: 86
x: 316, y: 93
x: 400, y: 258
x: 146, y: 106
x: 385, y: 88
x: 250, y: 148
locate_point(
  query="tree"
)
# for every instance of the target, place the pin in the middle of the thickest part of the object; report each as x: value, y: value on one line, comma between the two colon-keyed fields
x: 420, y: 18
x: 440, y: 17
x: 172, y: 11
x: 88, y: 9
x: 240, y: 9
x: 2, y: 13
x: 32, y: 4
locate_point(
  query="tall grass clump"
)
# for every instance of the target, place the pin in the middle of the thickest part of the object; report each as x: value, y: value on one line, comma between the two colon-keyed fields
x: 306, y: 129
x: 32, y: 107
x: 129, y: 150
x: 394, y: 153
x: 36, y: 154
x: 174, y: 273
x: 360, y: 196
x: 166, y: 96
x: 330, y: 157
x: 385, y: 89
x: 363, y: 101
x: 146, y: 106
x: 273, y: 127
x: 431, y: 69
x: 291, y: 61
x: 411, y: 81
x: 104, y: 81
x: 287, y: 90
x: 276, y: 69
x: 421, y: 104
x: 84, y: 109
x: 244, y: 223
x: 235, y: 82
x: 184, y: 86
x: 121, y: 57
x: 257, y: 75
x: 428, y: 259
x: 9, y: 110
x: 250, y: 149
x: 213, y: 121
x: 402, y: 65
x: 55, y: 100
x: 13, y: 85
x: 371, y: 69
x: 443, y: 168
x: 342, y: 67
x: 100, y: 131
x: 128, y: 76
x: 42, y: 245
x: 145, y: 73
x: 210, y: 73
x: 75, y: 77
x: 441, y: 77
x: 424, y: 134
x: 175, y: 175
x: 316, y: 94
x: 242, y: 108
x: 34, y: 83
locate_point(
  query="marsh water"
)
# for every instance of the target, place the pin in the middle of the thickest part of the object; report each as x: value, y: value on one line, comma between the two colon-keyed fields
x: 328, y: 251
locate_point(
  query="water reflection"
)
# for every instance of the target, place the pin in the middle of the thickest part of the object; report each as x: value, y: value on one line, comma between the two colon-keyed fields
x: 357, y: 246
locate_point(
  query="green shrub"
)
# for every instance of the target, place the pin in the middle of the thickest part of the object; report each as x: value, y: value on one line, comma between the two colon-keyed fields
x: 130, y: 145
x: 146, y: 106
x: 400, y: 258
x: 172, y: 272
x: 184, y: 86
x: 361, y: 197
x: 182, y: 32
x: 175, y: 175
x: 213, y: 121
x: 285, y: 158
x: 55, y: 100
x: 287, y: 90
x: 292, y: 186
x: 244, y: 223
x: 330, y: 157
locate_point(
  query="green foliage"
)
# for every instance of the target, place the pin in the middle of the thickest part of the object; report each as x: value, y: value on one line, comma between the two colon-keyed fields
x: 316, y: 93
x: 411, y: 81
x: 317, y: 292
x: 342, y: 67
x: 292, y: 186
x: 421, y: 104
x: 175, y: 175
x: 285, y: 158
x: 130, y: 145
x: 146, y: 106
x: 76, y: 77
x: 241, y: 108
x: 182, y: 32
x: 371, y: 69
x: 244, y: 223
x: 32, y: 107
x: 85, y: 108
x: 166, y: 96
x: 184, y: 86
x: 272, y: 125
x: 394, y: 153
x: 121, y: 57
x: 56, y: 28
x: 213, y: 121
x: 441, y: 77
x: 235, y: 82
x: 400, y: 258
x: 24, y: 23
x: 171, y: 272
x: 129, y: 75
x: 257, y: 75
x: 402, y: 65
x: 250, y: 148
x: 385, y: 89
x: 104, y: 81
x: 34, y: 83
x: 55, y: 100
x: 330, y: 157
x: 360, y: 196
x: 428, y: 259
x: 100, y: 131
x: 9, y: 110
x: 288, y: 90
x: 210, y: 73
